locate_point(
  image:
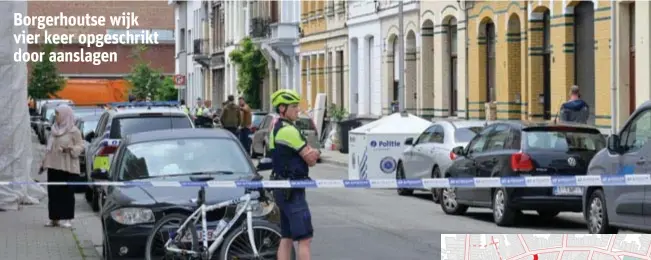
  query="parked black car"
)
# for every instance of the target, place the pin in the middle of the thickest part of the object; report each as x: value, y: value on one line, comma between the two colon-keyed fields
x: 86, y: 124
x: 128, y: 213
x: 506, y: 149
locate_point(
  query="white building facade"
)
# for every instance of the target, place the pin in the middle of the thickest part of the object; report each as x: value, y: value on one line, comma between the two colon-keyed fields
x: 280, y: 46
x: 236, y: 28
x: 365, y: 58
x: 190, y: 17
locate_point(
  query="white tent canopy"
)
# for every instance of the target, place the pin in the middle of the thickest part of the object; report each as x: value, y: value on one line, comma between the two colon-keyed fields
x: 376, y: 147
x: 15, y: 135
x: 394, y: 124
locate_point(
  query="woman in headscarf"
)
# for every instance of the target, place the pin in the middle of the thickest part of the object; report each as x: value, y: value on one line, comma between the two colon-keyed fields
x: 62, y: 162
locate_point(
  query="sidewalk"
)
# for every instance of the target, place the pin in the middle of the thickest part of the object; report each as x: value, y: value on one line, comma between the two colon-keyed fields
x: 334, y: 157
x: 24, y: 235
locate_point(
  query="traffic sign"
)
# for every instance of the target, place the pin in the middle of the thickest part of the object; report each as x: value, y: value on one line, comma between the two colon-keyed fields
x: 179, y: 80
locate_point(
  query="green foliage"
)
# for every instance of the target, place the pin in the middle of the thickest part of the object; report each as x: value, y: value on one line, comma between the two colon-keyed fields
x: 251, y: 70
x: 336, y: 113
x: 167, y: 92
x: 45, y: 81
x: 145, y: 81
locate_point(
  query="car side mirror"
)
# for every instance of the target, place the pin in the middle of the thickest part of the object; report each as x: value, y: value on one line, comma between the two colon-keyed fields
x: 264, y: 164
x: 89, y: 137
x: 613, y: 143
x: 459, y: 150
x: 409, y: 141
x: 98, y: 174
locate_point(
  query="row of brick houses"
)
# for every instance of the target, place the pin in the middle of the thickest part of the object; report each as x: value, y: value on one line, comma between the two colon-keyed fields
x: 153, y: 15
x: 467, y: 59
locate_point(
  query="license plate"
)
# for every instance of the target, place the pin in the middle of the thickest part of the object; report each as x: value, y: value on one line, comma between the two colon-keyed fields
x: 212, y: 236
x: 568, y: 191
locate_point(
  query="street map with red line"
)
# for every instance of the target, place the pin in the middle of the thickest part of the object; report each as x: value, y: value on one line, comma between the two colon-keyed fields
x: 545, y: 247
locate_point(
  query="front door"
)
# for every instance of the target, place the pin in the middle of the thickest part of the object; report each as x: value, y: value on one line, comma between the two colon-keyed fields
x: 415, y: 158
x: 628, y: 201
x: 489, y: 159
x: 469, y: 169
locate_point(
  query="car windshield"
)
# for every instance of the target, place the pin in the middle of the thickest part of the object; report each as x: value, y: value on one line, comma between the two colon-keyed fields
x: 124, y: 126
x: 89, y: 126
x: 304, y: 123
x: 183, y: 157
x: 257, y: 119
x: 87, y: 112
x: 564, y: 141
x: 49, y: 114
x: 464, y: 135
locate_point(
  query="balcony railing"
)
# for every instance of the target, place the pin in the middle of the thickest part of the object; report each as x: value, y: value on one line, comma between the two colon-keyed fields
x: 201, y: 52
x: 260, y: 27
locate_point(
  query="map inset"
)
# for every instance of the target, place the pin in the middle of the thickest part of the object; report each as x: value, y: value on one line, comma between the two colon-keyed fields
x: 545, y: 247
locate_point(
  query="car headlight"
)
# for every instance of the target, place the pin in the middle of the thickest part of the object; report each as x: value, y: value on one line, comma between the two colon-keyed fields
x: 132, y: 216
x: 258, y: 209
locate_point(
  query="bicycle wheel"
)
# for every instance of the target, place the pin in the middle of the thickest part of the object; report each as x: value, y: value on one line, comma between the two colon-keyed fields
x: 267, y: 239
x: 168, y: 225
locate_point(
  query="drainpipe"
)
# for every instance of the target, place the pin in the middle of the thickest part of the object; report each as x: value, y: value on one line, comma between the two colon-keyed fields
x: 465, y: 17
x: 613, y: 68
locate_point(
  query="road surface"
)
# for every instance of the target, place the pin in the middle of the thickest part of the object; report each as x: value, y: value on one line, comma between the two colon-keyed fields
x: 379, y: 224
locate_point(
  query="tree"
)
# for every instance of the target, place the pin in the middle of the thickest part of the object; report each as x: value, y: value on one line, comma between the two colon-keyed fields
x: 145, y: 81
x: 167, y: 91
x: 45, y: 81
x: 252, y: 68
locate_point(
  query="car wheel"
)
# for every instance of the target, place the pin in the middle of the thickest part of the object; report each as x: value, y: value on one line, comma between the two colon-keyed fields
x: 89, y: 194
x: 548, y: 214
x: 449, y: 203
x: 503, y: 214
x: 41, y: 138
x: 400, y: 175
x: 597, y: 215
x: 436, y: 173
x: 94, y: 204
x: 100, y: 202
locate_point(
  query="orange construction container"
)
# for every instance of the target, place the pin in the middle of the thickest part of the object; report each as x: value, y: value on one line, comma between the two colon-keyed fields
x: 90, y: 92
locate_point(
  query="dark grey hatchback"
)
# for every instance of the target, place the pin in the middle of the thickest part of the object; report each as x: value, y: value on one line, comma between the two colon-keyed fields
x: 129, y: 213
x: 518, y: 149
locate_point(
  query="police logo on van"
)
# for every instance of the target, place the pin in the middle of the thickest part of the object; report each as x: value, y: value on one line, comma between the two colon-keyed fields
x: 388, y: 164
x: 373, y: 143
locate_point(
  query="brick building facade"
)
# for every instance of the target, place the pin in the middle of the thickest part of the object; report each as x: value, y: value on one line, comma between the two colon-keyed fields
x: 153, y: 15
x: 525, y: 55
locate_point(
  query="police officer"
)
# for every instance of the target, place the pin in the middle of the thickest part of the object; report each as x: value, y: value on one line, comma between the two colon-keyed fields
x: 292, y: 157
x: 184, y: 107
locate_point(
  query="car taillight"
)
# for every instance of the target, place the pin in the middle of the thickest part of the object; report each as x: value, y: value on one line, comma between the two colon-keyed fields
x: 453, y: 156
x: 106, y: 150
x: 521, y: 162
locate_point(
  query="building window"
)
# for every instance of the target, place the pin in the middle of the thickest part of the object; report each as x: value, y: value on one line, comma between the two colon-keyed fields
x: 182, y: 40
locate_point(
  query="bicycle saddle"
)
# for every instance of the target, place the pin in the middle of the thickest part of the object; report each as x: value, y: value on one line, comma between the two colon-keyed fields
x: 201, y: 178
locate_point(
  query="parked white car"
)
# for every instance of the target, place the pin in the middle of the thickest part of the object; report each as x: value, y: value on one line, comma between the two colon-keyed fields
x: 431, y: 153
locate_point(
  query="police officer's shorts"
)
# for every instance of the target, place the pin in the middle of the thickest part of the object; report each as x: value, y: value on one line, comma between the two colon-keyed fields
x: 295, y: 216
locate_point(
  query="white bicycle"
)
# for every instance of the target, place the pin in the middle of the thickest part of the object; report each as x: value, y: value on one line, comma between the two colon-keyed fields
x: 175, y: 236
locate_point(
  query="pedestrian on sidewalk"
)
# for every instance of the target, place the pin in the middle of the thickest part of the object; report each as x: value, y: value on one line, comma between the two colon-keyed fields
x: 231, y: 117
x: 62, y: 163
x: 245, y: 125
x: 575, y: 110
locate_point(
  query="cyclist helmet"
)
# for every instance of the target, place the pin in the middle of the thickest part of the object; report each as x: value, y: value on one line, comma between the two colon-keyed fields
x: 285, y: 97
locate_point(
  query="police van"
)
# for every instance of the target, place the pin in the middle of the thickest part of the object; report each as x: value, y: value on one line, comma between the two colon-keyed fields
x: 121, y: 120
